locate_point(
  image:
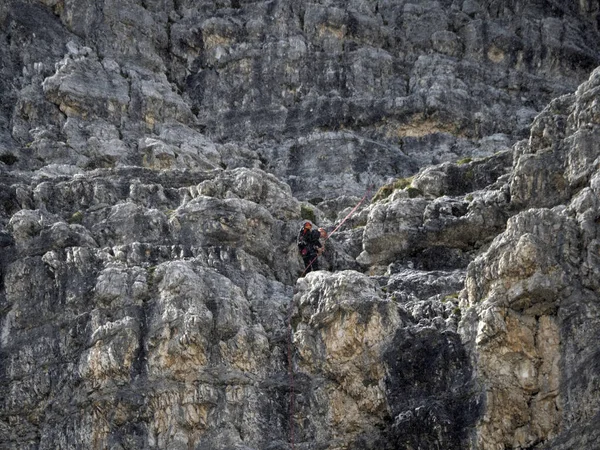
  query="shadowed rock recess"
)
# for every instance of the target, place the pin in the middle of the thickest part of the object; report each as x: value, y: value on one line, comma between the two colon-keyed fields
x: 157, y: 158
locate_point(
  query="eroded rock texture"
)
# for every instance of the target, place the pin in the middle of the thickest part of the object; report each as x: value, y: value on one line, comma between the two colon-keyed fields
x: 158, y: 157
x: 534, y: 292
x: 357, y: 91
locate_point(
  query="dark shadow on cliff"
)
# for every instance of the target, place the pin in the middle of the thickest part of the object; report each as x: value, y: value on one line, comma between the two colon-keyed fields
x: 430, y: 390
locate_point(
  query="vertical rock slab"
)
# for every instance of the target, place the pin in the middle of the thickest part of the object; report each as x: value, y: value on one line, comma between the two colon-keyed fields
x: 341, y: 329
x: 533, y: 321
x: 372, y: 373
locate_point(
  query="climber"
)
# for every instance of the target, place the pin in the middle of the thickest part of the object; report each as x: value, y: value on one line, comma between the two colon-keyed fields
x: 309, y: 246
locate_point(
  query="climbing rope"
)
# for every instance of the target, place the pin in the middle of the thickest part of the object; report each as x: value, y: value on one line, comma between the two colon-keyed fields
x: 291, y: 376
x: 336, y: 228
x: 290, y: 311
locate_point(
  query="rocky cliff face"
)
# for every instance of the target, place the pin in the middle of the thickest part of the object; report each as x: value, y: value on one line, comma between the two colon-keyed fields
x: 533, y: 293
x: 358, y: 91
x: 157, y: 158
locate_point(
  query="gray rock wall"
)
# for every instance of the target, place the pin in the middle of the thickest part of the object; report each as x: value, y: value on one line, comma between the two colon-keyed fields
x: 313, y: 92
x: 158, y: 158
x: 532, y: 295
x: 115, y: 334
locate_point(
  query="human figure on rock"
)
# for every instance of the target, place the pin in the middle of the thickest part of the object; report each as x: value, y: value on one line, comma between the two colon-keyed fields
x: 310, y: 246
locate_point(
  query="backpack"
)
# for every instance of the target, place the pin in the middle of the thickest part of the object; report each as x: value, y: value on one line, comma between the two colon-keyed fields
x: 302, y: 242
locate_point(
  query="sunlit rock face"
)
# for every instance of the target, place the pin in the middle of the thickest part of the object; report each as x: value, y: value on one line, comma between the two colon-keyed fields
x: 533, y: 311
x: 382, y: 373
x: 157, y: 159
x: 150, y: 314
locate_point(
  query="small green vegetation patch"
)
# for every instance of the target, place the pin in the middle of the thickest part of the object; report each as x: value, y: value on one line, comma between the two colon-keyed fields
x: 450, y: 297
x: 388, y: 189
x: 402, y: 183
x: 414, y: 192
x: 77, y: 217
x: 307, y: 213
x: 383, y: 192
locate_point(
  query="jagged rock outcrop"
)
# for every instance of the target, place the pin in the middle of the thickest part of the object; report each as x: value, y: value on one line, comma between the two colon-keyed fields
x: 441, y: 217
x: 533, y: 317
x: 157, y: 159
x: 174, y: 318
x: 170, y: 308
x: 382, y: 373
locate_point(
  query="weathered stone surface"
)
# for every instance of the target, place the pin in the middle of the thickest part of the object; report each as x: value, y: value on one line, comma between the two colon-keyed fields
x: 364, y: 354
x: 343, y: 325
x: 430, y: 223
x: 157, y: 159
x: 531, y: 296
x: 169, y: 331
x: 391, y: 86
x: 518, y: 333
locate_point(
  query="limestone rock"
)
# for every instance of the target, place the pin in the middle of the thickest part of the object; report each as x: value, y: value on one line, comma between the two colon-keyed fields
x: 157, y: 159
x: 529, y: 289
x: 340, y: 338
x: 362, y: 353
x: 382, y: 89
x: 422, y: 223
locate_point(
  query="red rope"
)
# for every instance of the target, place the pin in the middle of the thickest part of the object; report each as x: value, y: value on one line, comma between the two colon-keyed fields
x: 349, y: 214
x: 291, y: 373
x: 336, y: 228
x: 290, y: 331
